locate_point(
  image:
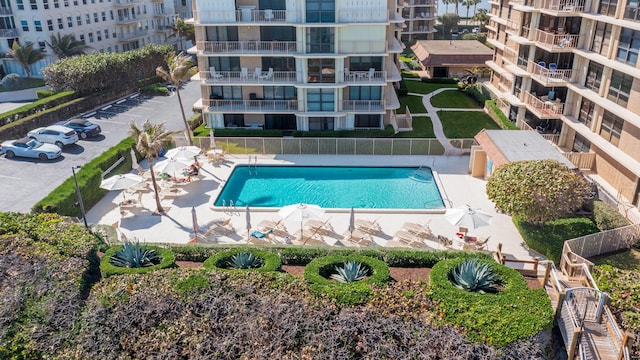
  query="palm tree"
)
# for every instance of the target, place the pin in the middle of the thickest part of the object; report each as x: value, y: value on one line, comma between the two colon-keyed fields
x: 150, y: 139
x: 67, y: 46
x: 482, y: 17
x: 449, y: 21
x: 446, y: 3
x: 179, y: 68
x: 468, y: 4
x: 182, y: 29
x: 26, y: 55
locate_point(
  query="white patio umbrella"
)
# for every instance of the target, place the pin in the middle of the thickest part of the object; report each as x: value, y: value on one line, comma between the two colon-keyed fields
x: 352, y: 221
x: 467, y: 217
x: 300, y: 212
x: 247, y: 216
x: 120, y: 182
x: 212, y: 139
x: 171, y: 165
x: 194, y: 220
x: 183, y: 152
x: 134, y: 160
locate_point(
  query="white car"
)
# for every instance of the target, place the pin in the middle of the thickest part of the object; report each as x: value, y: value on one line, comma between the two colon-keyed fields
x: 29, y: 148
x: 475, y: 30
x: 55, y: 134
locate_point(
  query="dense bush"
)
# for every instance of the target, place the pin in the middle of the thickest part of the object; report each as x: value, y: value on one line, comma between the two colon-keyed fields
x: 105, y: 70
x: 606, y: 217
x: 499, y: 117
x: 107, y: 269
x: 44, y: 93
x: 497, y: 319
x: 219, y: 261
x: 37, y: 106
x: 475, y: 92
x: 439, y: 80
x: 402, y: 90
x: 155, y: 89
x: 319, y: 270
x: 360, y: 133
x: 408, y: 74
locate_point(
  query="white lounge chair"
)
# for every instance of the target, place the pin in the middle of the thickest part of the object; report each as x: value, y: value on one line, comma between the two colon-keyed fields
x: 214, y: 74
x: 257, y: 73
x: 276, y: 227
x: 220, y: 226
x: 408, y: 238
x: 358, y: 237
x: 268, y: 14
x: 309, y: 237
x: 417, y: 229
x: 266, y: 76
x: 371, y: 227
x: 244, y: 73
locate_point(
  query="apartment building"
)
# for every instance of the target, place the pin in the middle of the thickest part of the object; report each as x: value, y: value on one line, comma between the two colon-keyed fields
x: 569, y: 70
x: 420, y: 18
x: 298, y: 64
x: 104, y: 25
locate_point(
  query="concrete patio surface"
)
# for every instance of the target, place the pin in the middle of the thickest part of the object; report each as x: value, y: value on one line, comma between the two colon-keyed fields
x: 456, y: 186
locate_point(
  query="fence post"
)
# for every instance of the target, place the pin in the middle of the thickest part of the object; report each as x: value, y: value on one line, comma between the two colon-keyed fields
x: 627, y: 341
x: 547, y: 274
x: 573, y: 344
x: 561, y: 295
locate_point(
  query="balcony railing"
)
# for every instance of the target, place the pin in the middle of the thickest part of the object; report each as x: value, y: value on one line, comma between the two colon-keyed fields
x: 127, y: 20
x: 545, y: 108
x: 363, y: 105
x: 248, y: 47
x: 260, y: 16
x: 563, y: 6
x: 125, y: 2
x: 5, y: 11
x: 556, y: 41
x: 420, y: 3
x: 8, y: 33
x: 364, y: 77
x: 161, y: 13
x: 238, y: 77
x: 133, y: 35
x: 423, y: 16
x: 251, y: 105
x: 549, y: 77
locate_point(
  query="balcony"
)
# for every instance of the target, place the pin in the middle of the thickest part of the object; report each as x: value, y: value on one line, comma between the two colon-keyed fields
x: 164, y: 28
x: 162, y: 13
x: 120, y: 3
x: 262, y: 16
x: 8, y: 33
x: 420, y: 3
x: 364, y: 77
x: 248, y: 47
x: 363, y: 105
x: 563, y: 7
x: 248, y: 78
x: 422, y: 16
x: 123, y: 20
x: 133, y: 35
x: 549, y: 77
x: 4, y: 11
x: 555, y: 39
x: 543, y: 108
x: 251, y: 106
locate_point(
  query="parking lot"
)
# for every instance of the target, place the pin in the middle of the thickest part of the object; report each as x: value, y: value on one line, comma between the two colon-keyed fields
x: 26, y: 181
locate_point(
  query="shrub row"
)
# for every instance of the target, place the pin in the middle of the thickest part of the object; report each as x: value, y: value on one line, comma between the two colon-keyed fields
x: 49, y: 102
x: 107, y: 269
x: 403, y: 89
x: 360, y: 133
x: 497, y: 319
x: 155, y: 89
x: 476, y: 94
x: 63, y: 198
x: 498, y: 116
x: 439, y: 80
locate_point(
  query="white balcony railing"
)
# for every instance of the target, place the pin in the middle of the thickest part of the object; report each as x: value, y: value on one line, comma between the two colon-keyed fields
x: 260, y: 16
x: 127, y: 20
x: 363, y: 105
x: 8, y: 33
x: 563, y: 6
x: 556, y: 41
x: 549, y: 77
x: 133, y: 35
x: 252, y: 105
x: 238, y: 77
x: 248, y: 47
x: 545, y: 108
x: 125, y: 2
x: 364, y: 77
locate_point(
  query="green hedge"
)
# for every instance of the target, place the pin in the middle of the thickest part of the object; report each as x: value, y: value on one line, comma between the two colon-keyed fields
x: 271, y: 261
x: 43, y: 93
x: 606, y: 218
x: 247, y: 133
x: 359, y: 133
x: 497, y: 319
x: 106, y: 269
x: 155, y: 89
x: 63, y: 198
x: 403, y: 89
x: 440, y: 80
x: 499, y: 117
x: 317, y: 271
x: 37, y: 106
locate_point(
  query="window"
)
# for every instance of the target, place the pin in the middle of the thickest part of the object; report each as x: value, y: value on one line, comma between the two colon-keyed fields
x: 580, y: 144
x: 95, y: 17
x: 99, y: 35
x: 38, y: 25
x: 87, y: 19
x: 320, y: 40
x: 91, y: 38
x: 321, y: 123
x: 226, y: 92
x: 364, y: 93
x: 225, y: 63
x: 34, y: 4
x: 60, y: 24
x: 104, y: 16
x: 628, y: 46
x: 320, y: 100
x: 69, y: 21
x: 233, y: 120
x: 631, y: 12
x: 66, y: 3
x: 20, y: 4
x: 321, y: 11
x: 586, y: 112
x: 594, y: 76
x: 608, y: 7
x: 56, y: 4
x: 82, y: 39
x: 111, y: 14
x: 25, y: 25
x: 106, y: 34
x: 364, y: 63
x: 279, y: 92
x: 50, y: 25
x: 611, y: 127
x: 75, y: 2
x: 42, y: 45
x: 367, y: 121
x: 620, y: 87
x: 45, y: 4
x: 116, y: 48
x: 79, y: 20
x: 279, y: 63
x: 321, y: 70
x: 601, y: 38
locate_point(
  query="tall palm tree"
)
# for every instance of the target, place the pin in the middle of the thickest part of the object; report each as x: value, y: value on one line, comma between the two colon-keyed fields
x: 468, y: 4
x: 482, y: 17
x: 446, y: 4
x: 183, y: 29
x: 179, y: 68
x: 150, y: 139
x: 26, y: 55
x: 67, y: 46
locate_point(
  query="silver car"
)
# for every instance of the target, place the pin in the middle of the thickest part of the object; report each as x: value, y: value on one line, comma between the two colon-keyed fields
x: 55, y: 134
x: 32, y: 148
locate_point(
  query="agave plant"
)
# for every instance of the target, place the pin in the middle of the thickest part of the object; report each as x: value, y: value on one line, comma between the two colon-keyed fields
x: 134, y: 256
x: 350, y: 271
x: 244, y: 260
x: 473, y: 276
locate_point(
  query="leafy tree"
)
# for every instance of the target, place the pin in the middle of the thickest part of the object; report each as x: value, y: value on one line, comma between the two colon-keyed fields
x: 183, y: 29
x: 67, y: 46
x: 537, y: 191
x: 150, y: 139
x: 178, y: 68
x: 482, y: 18
x: 26, y: 55
x: 449, y: 21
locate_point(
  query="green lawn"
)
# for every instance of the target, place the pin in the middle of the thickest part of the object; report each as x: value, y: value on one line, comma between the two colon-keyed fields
x: 419, y: 87
x: 414, y: 103
x: 626, y: 260
x: 454, y: 100
x: 422, y: 128
x: 27, y: 83
x: 465, y: 124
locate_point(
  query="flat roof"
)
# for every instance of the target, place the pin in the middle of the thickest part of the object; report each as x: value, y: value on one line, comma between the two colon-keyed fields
x: 454, y: 47
x: 504, y: 146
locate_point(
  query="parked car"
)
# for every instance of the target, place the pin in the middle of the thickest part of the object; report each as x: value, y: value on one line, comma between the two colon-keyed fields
x: 32, y: 148
x: 55, y: 134
x: 465, y: 31
x: 84, y: 128
x: 475, y: 30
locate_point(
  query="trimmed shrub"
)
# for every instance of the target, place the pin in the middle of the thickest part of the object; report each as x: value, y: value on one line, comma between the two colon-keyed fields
x: 402, y: 90
x: 476, y: 94
x: 107, y: 269
x: 497, y: 319
x: 408, y: 74
x: 439, y: 80
x: 155, y: 89
x: 44, y: 93
x: 606, y: 218
x: 498, y: 116
x: 270, y: 260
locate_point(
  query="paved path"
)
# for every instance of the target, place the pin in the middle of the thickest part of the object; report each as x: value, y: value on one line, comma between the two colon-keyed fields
x: 10, y: 100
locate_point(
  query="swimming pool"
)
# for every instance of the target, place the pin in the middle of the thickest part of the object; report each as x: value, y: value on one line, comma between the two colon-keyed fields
x: 332, y: 187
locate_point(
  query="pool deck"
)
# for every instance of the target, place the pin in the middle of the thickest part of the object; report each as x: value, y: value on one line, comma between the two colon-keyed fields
x: 451, y: 172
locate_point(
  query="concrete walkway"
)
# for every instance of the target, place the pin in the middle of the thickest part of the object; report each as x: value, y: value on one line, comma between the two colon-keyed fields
x: 10, y: 100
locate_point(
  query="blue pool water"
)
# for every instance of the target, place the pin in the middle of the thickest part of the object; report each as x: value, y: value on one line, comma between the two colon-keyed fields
x: 332, y: 187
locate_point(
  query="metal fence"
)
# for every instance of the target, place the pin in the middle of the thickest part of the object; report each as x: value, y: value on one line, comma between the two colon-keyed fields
x: 327, y: 146
x: 604, y: 242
